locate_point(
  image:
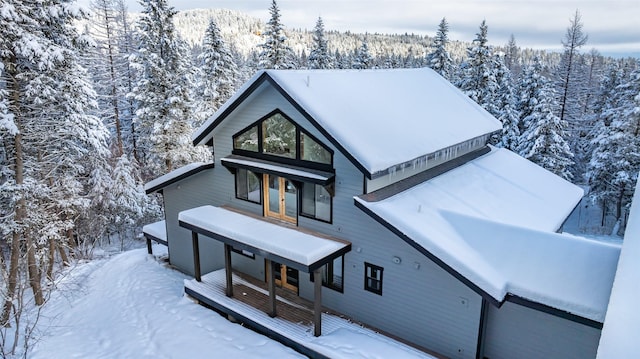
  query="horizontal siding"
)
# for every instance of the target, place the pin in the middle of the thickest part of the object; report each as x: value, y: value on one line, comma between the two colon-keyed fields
x: 515, y: 331
x: 191, y: 192
x: 424, y: 305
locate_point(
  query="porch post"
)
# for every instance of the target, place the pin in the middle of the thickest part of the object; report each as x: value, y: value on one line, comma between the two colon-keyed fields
x: 271, y: 277
x: 228, y: 270
x: 196, y: 256
x: 317, y: 302
x: 149, y: 247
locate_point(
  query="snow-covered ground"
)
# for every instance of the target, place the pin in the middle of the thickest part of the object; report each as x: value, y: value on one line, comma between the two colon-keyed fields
x: 133, y: 306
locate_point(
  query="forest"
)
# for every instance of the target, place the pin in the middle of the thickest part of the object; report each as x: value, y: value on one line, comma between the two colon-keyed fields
x: 96, y: 102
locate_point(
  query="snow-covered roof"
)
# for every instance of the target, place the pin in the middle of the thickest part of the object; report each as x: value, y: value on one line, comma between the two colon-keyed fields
x: 292, y: 245
x: 381, y: 118
x: 175, y: 176
x: 621, y: 328
x: 156, y: 230
x: 291, y: 172
x: 492, y: 221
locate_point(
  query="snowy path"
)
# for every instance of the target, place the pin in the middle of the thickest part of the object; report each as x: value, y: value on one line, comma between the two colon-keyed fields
x: 130, y: 306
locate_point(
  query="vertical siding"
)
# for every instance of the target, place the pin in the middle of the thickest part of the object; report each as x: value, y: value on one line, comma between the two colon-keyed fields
x: 515, y: 331
x: 420, y: 302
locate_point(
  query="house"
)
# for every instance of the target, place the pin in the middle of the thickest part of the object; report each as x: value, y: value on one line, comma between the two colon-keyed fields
x: 382, y: 184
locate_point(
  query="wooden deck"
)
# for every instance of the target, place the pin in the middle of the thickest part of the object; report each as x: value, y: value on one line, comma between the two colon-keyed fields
x: 293, y: 324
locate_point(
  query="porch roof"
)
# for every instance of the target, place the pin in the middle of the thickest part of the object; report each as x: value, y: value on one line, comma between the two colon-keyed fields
x: 299, y: 250
x: 291, y: 172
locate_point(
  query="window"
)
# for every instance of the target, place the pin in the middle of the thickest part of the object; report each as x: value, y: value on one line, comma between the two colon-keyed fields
x: 277, y: 135
x: 247, y: 140
x: 244, y: 252
x: 248, y: 186
x: 373, y: 278
x: 316, y: 202
x: 332, y: 273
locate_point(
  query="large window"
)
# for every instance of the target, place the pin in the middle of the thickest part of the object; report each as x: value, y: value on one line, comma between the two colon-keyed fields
x: 247, y: 185
x: 373, y: 278
x: 332, y: 274
x: 316, y: 202
x: 277, y: 135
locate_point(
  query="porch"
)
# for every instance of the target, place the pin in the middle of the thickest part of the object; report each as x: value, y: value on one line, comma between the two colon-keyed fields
x: 250, y: 303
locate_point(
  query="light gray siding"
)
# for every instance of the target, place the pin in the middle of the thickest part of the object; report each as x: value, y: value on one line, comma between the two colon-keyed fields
x: 515, y: 331
x: 420, y: 301
x: 197, y: 190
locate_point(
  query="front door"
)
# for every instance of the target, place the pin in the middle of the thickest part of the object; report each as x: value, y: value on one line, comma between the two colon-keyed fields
x: 286, y: 277
x: 280, y: 198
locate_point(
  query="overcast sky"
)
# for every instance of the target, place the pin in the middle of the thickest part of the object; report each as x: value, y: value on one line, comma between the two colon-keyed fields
x: 612, y: 25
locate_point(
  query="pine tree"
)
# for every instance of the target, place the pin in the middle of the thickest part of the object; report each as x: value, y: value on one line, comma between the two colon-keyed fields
x: 54, y: 142
x: 478, y: 77
x: 319, y: 57
x: 218, y: 73
x: 543, y: 138
x: 504, y: 104
x: 567, y: 86
x: 276, y: 54
x: 163, y: 115
x: 362, y: 59
x: 512, y: 56
x: 440, y: 59
x: 615, y: 162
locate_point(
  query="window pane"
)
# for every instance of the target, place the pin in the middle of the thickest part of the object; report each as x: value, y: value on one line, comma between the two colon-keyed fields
x: 308, y: 199
x: 279, y: 136
x: 248, y: 140
x: 253, y: 187
x: 313, y: 151
x: 323, y: 203
x: 241, y: 183
x: 290, y: 199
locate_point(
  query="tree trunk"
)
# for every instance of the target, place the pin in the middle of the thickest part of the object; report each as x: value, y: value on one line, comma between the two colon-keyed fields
x: 63, y: 255
x: 34, y: 272
x: 51, y: 257
x: 604, y: 212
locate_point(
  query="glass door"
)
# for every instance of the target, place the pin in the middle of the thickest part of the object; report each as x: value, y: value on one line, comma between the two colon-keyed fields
x: 281, y: 198
x: 286, y: 277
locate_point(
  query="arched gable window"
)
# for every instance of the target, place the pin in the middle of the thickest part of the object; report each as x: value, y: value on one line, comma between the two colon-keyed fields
x: 277, y: 137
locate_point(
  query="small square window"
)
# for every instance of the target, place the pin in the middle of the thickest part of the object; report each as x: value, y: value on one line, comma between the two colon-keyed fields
x: 373, y: 278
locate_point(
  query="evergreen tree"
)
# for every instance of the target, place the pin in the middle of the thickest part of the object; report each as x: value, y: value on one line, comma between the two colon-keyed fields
x: 543, y: 138
x: 163, y: 115
x: 218, y: 73
x: 362, y: 59
x: 478, y: 79
x: 614, y: 165
x: 439, y: 59
x: 567, y: 86
x: 53, y: 143
x: 276, y: 54
x: 504, y: 104
x: 319, y: 57
x: 512, y: 56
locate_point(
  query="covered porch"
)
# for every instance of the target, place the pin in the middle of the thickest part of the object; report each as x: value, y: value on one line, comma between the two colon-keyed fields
x: 277, y: 244
x: 341, y: 337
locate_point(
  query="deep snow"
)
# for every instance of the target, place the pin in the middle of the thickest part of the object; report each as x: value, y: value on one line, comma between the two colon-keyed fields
x: 133, y: 306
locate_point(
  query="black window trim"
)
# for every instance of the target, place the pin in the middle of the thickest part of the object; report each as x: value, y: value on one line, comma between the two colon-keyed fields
x: 366, y: 277
x: 326, y: 284
x: 301, y: 200
x: 235, y: 184
x: 298, y: 161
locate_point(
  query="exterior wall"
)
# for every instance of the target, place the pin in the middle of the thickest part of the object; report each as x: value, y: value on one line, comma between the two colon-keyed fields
x: 191, y: 192
x: 424, y: 305
x: 515, y: 331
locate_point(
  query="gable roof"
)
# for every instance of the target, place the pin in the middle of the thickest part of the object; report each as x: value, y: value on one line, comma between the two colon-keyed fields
x: 377, y: 118
x: 491, y: 222
x: 157, y: 184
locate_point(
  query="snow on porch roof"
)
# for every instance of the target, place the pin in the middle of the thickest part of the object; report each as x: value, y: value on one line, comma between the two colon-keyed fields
x: 378, y: 118
x: 294, y: 248
x: 491, y: 222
